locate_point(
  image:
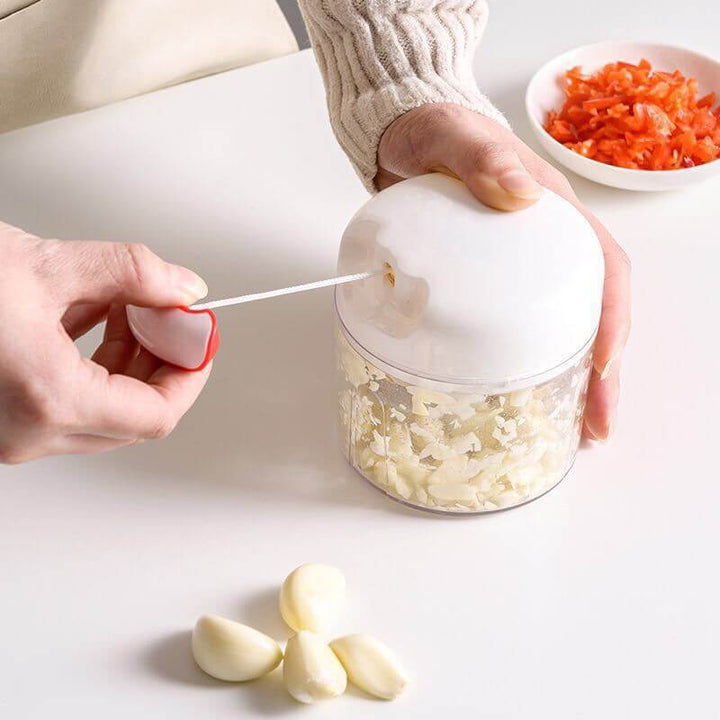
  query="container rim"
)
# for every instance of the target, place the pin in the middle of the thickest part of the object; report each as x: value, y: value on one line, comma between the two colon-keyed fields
x: 448, y: 383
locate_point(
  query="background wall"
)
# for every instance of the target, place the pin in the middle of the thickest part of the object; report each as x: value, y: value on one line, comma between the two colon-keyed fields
x: 292, y: 13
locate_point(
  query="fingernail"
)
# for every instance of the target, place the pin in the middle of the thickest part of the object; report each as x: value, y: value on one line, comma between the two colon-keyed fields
x: 190, y: 284
x: 598, y: 436
x: 611, y: 429
x: 608, y: 366
x: 602, y: 437
x: 520, y: 184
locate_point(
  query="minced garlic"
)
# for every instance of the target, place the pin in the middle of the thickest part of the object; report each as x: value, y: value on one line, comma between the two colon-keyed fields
x: 462, y: 451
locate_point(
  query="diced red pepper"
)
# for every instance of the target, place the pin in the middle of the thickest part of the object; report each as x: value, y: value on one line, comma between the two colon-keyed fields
x: 630, y: 115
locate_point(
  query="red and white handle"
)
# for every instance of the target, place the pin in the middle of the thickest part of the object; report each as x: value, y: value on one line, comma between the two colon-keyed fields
x: 179, y: 336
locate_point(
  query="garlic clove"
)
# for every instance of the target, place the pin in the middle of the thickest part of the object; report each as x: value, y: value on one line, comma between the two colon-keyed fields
x: 311, y: 597
x: 231, y: 651
x: 371, y: 665
x: 311, y: 670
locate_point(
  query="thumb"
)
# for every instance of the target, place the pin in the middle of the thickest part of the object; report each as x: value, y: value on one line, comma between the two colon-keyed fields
x: 493, y: 172
x: 458, y: 142
x: 120, y: 273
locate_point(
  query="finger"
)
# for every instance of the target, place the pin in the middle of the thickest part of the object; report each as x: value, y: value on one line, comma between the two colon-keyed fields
x: 70, y: 445
x: 79, y: 319
x: 125, y: 408
x: 86, y: 445
x: 614, y: 329
x: 119, y: 346
x: 143, y: 365
x: 601, y: 407
x: 616, y: 305
x: 118, y: 273
x: 615, y: 320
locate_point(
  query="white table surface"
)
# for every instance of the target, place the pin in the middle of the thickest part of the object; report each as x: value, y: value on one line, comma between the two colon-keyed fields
x: 598, y: 601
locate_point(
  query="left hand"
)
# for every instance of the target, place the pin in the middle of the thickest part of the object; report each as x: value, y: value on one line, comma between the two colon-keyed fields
x: 52, y: 399
x: 504, y: 173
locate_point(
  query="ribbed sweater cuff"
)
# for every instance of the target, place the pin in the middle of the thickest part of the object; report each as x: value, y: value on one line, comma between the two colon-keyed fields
x: 381, y: 58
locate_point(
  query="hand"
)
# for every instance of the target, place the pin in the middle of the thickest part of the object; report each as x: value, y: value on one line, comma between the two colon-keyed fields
x: 52, y: 400
x: 504, y: 173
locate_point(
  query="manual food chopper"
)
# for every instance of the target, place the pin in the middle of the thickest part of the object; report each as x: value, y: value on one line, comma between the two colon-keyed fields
x: 464, y: 358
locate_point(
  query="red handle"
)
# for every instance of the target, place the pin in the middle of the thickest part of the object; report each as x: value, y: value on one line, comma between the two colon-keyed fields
x: 180, y: 336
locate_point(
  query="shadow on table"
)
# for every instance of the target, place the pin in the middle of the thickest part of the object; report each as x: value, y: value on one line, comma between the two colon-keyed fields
x: 268, y: 696
x: 170, y: 658
x: 261, y: 610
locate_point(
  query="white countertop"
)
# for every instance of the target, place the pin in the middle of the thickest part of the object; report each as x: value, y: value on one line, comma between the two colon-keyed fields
x: 597, y: 601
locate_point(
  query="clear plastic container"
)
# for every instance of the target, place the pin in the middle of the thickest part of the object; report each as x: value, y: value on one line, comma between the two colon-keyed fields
x: 463, y: 449
x: 464, y: 359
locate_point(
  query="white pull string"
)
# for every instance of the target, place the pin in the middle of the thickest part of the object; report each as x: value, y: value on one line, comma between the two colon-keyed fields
x: 282, y: 291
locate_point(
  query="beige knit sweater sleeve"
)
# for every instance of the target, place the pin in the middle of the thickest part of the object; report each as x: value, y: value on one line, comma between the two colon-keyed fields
x: 381, y: 58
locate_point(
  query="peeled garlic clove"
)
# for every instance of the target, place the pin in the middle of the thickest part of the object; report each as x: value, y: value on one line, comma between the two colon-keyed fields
x: 311, y: 671
x: 231, y: 651
x: 311, y: 597
x: 371, y: 665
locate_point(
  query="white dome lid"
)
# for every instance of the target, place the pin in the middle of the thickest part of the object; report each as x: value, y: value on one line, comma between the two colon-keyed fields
x: 480, y: 295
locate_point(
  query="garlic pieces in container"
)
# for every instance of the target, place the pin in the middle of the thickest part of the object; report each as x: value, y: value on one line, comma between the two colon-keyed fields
x: 458, y: 451
x: 462, y: 382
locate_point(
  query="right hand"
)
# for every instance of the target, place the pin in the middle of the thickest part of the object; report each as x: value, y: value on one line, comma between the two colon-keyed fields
x: 504, y: 173
x: 52, y: 400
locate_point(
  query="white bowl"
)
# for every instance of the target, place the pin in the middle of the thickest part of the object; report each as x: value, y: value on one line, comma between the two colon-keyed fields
x: 545, y: 92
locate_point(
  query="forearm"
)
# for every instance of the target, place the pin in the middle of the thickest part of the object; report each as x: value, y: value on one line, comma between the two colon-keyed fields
x: 380, y: 59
